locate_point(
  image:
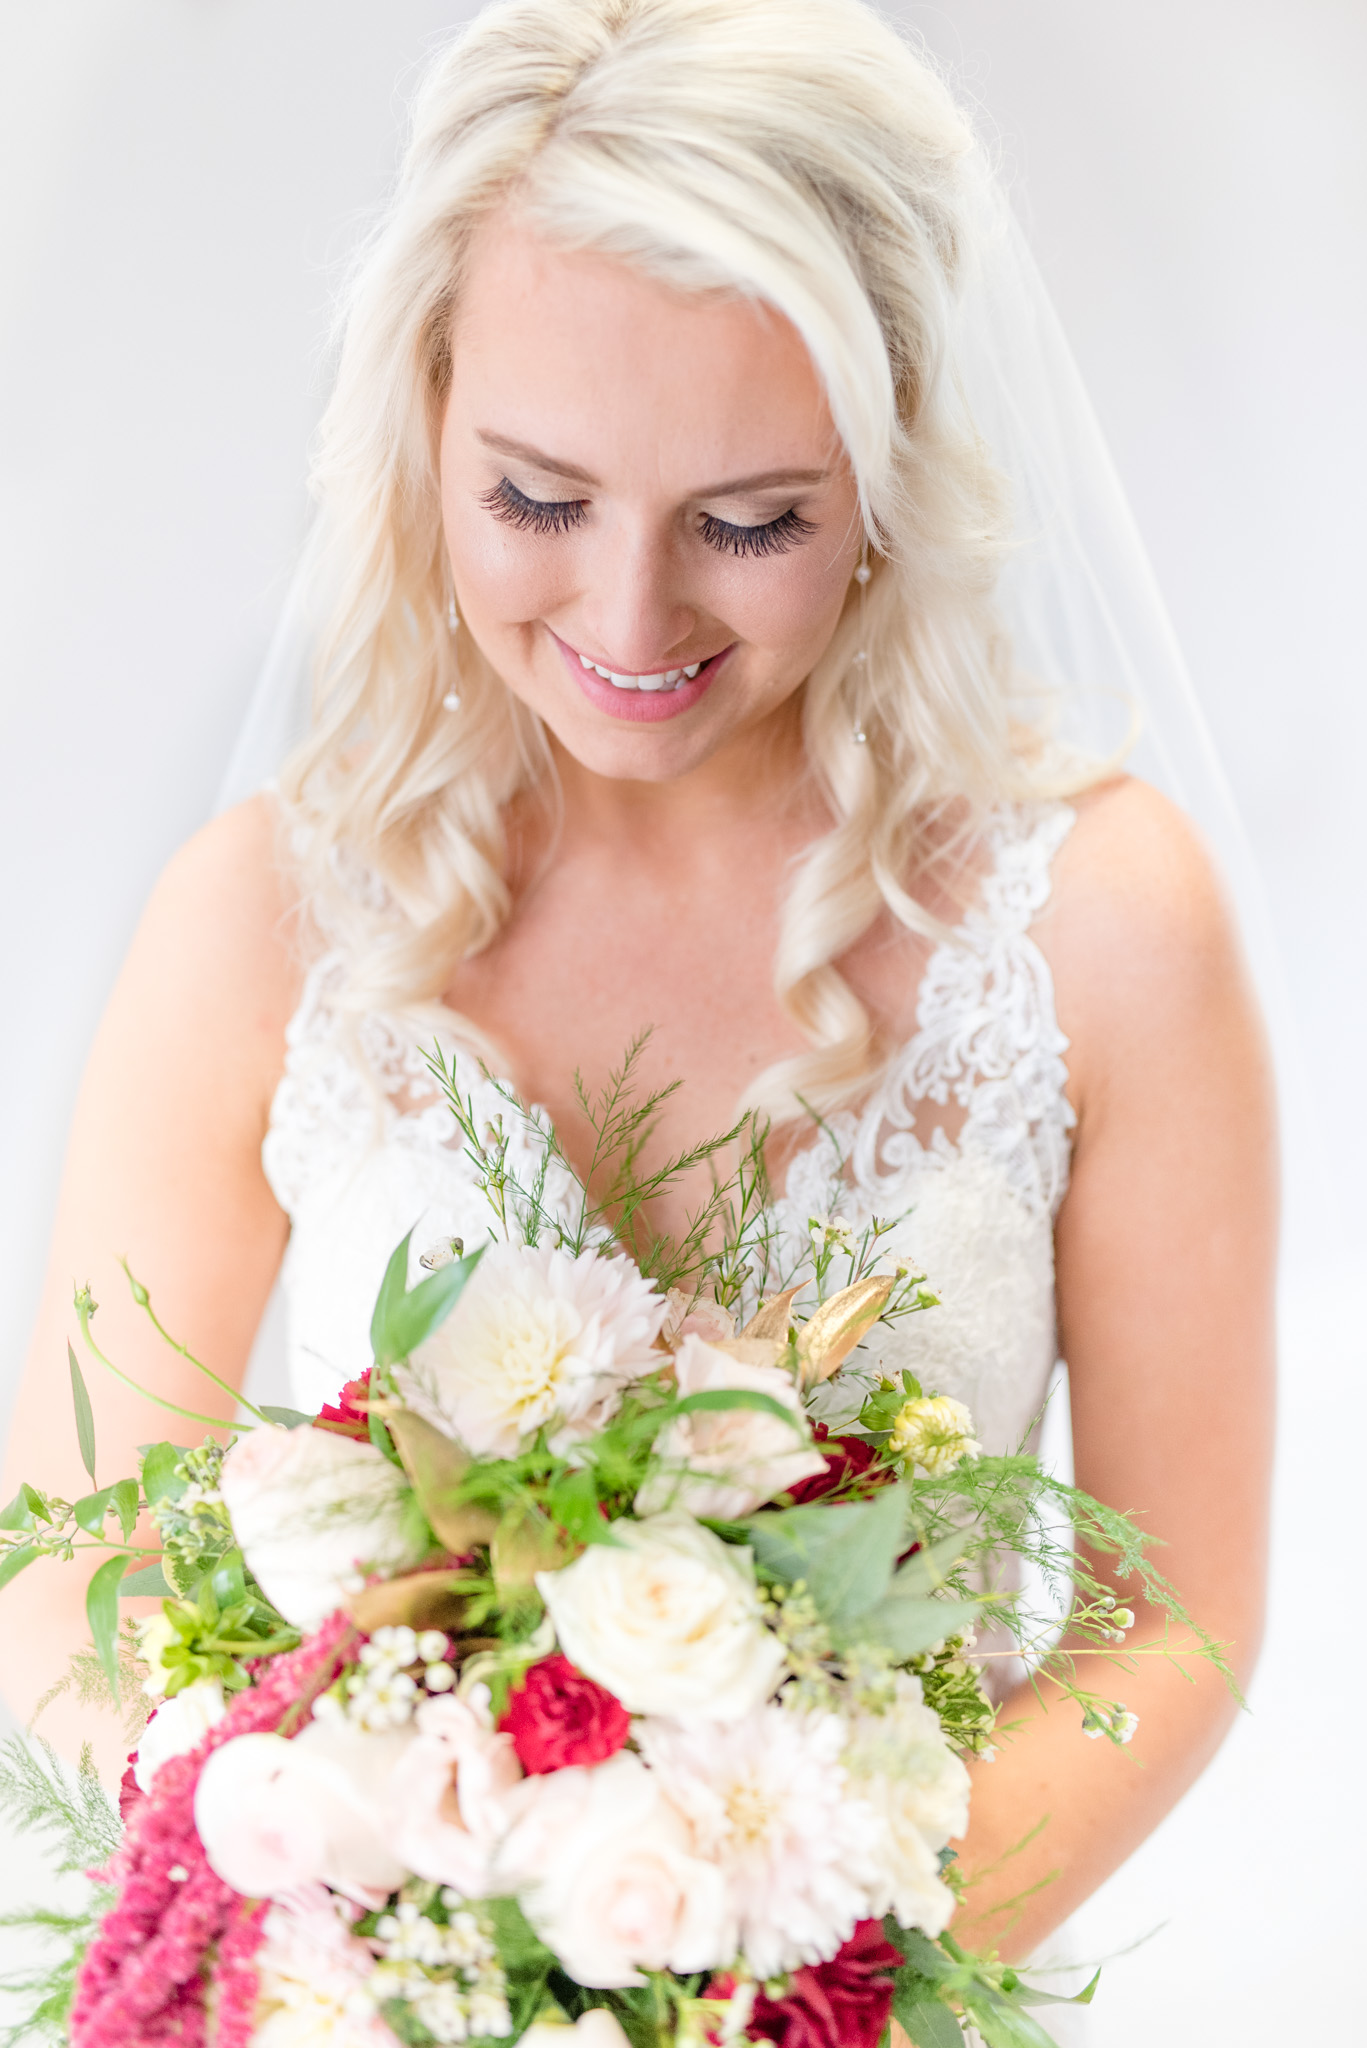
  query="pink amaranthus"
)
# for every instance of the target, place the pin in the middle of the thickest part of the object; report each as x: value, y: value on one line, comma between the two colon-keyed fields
x: 143, y: 1977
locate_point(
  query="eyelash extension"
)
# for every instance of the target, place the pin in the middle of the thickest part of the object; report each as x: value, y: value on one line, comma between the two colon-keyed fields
x: 775, y: 537
x: 515, y: 508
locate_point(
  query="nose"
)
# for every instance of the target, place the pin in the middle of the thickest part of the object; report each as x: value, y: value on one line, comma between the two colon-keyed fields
x: 632, y: 603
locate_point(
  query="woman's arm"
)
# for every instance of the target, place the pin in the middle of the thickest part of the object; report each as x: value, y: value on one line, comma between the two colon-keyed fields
x: 1165, y: 1247
x: 163, y: 1168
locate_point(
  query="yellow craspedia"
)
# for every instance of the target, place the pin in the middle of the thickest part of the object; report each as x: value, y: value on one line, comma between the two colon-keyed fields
x: 932, y: 1433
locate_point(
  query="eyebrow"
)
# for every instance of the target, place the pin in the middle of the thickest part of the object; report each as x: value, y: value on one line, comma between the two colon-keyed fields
x: 762, y: 480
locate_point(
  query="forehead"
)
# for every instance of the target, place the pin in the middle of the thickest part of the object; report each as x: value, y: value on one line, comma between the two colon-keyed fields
x: 589, y: 358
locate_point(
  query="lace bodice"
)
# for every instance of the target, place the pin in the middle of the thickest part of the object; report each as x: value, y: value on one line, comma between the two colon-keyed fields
x: 358, y: 1152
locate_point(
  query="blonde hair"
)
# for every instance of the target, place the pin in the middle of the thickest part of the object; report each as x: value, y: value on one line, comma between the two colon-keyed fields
x: 794, y: 151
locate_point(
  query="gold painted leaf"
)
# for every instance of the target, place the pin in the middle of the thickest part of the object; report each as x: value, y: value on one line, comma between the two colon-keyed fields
x: 422, y: 1599
x: 827, y: 1338
x: 772, y: 1317
x: 522, y: 1547
x: 436, y: 1465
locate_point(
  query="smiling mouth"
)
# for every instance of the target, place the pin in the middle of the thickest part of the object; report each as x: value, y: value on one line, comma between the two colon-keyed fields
x: 658, y: 679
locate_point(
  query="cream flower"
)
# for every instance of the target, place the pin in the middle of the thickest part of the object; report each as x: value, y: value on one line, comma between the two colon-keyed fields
x: 596, y: 2028
x: 750, y: 1455
x: 933, y: 1433
x: 605, y: 1870
x: 768, y: 1803
x: 695, y: 1315
x: 901, y: 1764
x: 177, y: 1726
x: 312, y: 1977
x: 538, y: 1337
x: 449, y: 1790
x: 310, y: 1509
x: 275, y: 1814
x: 667, y: 1618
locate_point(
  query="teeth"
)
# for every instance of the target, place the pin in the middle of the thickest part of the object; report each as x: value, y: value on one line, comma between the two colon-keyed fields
x: 668, y: 679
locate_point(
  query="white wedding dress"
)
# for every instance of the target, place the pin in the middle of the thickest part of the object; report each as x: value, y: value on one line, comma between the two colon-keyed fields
x: 360, y: 1150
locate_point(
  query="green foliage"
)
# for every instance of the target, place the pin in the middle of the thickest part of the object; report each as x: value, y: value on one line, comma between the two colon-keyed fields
x: 405, y: 1316
x: 85, y: 1420
x: 102, y: 1612
x: 80, y: 1829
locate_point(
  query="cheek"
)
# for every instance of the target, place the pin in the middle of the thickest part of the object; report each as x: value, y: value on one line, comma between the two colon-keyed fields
x: 503, y: 578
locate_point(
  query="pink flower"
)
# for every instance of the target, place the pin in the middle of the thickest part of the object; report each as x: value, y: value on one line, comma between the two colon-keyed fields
x: 449, y: 1791
x: 728, y: 1462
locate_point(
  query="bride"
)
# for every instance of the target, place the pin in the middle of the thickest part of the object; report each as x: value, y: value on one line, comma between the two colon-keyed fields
x: 659, y: 682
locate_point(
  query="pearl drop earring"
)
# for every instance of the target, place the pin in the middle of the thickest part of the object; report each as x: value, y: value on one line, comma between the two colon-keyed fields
x: 451, y: 701
x: 860, y: 659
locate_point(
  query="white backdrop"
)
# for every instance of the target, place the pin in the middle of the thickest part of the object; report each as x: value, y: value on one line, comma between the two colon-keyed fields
x: 178, y: 182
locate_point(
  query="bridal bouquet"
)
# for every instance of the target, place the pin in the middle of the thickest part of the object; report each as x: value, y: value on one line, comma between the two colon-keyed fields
x: 569, y: 1672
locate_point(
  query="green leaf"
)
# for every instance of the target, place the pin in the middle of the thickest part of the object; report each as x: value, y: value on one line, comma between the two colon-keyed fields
x: 845, y: 1554
x: 922, y: 1955
x: 906, y: 1627
x: 572, y: 1500
x: 125, y: 1497
x: 404, y: 1320
x: 102, y: 1612
x: 18, y: 1515
x: 229, y: 1579
x: 159, y: 1480
x: 146, y: 1583
x: 14, y: 1561
x: 1030, y: 1994
x: 732, y: 1397
x: 925, y: 1572
x: 85, y: 1420
x: 37, y: 1506
x: 926, y: 2021
x: 287, y: 1418
x: 1003, y: 2025
x: 91, y: 1510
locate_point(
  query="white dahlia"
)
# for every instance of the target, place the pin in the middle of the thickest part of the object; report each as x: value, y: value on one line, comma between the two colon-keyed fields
x: 537, y: 1337
x: 768, y: 1801
x: 901, y: 1764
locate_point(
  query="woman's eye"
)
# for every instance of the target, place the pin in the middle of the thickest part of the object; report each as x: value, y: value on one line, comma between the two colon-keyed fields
x: 775, y: 537
x: 540, y: 515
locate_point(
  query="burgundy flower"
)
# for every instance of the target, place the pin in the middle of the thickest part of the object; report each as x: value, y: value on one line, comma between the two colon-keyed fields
x: 847, y: 1458
x: 349, y: 1416
x: 840, y: 2004
x: 558, y: 1717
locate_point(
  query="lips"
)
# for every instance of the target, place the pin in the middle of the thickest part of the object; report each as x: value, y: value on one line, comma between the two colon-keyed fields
x: 641, y: 699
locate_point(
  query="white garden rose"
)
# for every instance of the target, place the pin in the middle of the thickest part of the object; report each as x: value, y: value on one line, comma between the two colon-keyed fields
x: 450, y: 1791
x: 749, y: 1455
x: 900, y: 1762
x: 538, y: 1337
x: 310, y: 1510
x: 668, y: 1619
x: 596, y: 2028
x: 605, y: 1870
x: 178, y: 1726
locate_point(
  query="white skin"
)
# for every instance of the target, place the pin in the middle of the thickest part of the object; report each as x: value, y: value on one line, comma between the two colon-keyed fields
x: 660, y: 905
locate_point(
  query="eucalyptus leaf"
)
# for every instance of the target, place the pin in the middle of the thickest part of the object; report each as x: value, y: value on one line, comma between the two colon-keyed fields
x: 925, y: 1572
x: 920, y: 1953
x: 718, y: 1399
x: 286, y: 1418
x: 845, y: 1554
x: 159, y: 1477
x: 14, y: 1561
x: 85, y: 1419
x: 149, y: 1582
x: 1030, y: 1994
x: 926, y: 2021
x: 906, y: 1626
x: 102, y: 1612
x: 91, y: 1509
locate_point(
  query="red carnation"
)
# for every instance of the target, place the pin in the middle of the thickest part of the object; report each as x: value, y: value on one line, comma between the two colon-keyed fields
x: 847, y: 1458
x: 840, y: 2004
x: 350, y: 1416
x: 558, y: 1717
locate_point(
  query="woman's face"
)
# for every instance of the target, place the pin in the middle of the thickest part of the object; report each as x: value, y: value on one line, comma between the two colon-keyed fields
x: 651, y: 523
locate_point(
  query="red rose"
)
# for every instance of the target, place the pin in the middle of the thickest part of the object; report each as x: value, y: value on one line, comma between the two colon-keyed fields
x: 349, y: 1417
x: 847, y: 1458
x: 840, y: 2004
x: 558, y: 1717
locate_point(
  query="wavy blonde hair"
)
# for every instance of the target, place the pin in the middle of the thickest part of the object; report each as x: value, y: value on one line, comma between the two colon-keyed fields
x: 797, y: 152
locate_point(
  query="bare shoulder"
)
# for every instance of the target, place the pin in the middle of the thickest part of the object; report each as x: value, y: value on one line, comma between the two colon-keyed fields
x: 215, y: 963
x: 1139, y: 934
